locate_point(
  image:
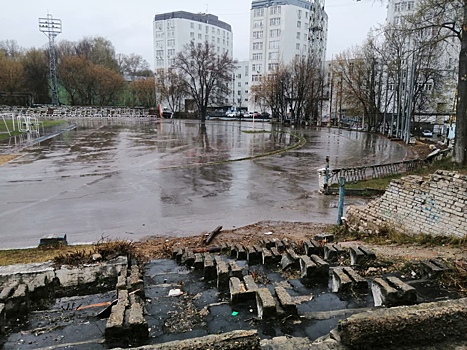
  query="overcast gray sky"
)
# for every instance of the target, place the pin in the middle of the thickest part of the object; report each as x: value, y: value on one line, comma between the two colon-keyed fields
x: 128, y: 24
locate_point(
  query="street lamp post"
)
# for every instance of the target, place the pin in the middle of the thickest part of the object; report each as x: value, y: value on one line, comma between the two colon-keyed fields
x: 51, y: 27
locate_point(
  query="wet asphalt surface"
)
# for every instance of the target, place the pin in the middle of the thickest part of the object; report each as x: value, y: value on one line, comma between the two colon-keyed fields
x: 127, y: 178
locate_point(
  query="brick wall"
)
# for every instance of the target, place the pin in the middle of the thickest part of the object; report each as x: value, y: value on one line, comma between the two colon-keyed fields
x: 434, y: 204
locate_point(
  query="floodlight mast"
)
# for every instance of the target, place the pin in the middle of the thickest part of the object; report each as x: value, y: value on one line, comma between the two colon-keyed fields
x: 51, y: 27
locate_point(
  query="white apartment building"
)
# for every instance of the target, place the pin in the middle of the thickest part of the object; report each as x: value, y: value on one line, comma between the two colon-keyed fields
x: 240, y: 85
x: 174, y: 30
x: 281, y: 30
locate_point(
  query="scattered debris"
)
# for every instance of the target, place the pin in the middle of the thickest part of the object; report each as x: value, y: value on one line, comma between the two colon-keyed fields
x: 214, y: 233
x: 175, y: 292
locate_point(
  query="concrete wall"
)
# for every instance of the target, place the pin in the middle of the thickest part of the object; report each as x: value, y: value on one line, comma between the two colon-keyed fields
x: 434, y: 204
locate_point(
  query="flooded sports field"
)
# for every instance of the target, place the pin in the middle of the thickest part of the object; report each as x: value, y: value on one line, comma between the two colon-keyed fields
x: 132, y: 178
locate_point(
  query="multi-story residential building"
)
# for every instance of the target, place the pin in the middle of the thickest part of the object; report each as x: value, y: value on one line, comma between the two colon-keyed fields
x: 240, y: 85
x: 436, y: 106
x: 281, y: 30
x: 174, y: 30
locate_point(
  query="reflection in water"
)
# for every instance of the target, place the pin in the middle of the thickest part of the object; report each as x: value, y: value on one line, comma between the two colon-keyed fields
x: 132, y: 178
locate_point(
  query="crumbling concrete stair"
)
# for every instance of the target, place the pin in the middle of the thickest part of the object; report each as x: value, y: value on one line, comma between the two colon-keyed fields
x: 391, y: 291
x: 241, y: 291
x: 265, y: 303
x: 313, y: 266
x: 285, y: 300
x: 345, y: 279
x: 360, y: 254
x: 332, y: 251
x: 15, y: 298
x: 289, y: 259
x: 313, y: 247
x: 433, y: 268
x: 126, y: 324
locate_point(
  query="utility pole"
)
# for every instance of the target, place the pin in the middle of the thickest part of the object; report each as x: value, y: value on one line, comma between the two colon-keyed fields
x: 51, y: 27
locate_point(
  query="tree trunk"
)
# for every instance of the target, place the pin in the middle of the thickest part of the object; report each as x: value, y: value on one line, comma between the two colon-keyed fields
x: 460, y: 146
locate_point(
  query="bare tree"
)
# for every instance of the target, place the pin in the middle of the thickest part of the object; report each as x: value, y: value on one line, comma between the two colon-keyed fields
x: 207, y: 74
x: 171, y: 88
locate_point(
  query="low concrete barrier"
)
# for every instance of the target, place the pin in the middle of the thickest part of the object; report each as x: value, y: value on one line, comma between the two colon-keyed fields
x: 420, y: 325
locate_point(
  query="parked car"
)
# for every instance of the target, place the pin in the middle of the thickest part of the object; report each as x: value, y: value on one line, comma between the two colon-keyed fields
x: 427, y: 133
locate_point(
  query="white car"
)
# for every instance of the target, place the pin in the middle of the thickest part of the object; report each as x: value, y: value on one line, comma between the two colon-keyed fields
x: 427, y: 133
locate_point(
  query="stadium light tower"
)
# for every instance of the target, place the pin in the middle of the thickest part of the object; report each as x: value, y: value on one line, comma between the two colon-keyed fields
x: 51, y: 27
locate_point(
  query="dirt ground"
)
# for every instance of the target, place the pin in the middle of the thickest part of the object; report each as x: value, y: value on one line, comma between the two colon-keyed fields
x: 5, y: 158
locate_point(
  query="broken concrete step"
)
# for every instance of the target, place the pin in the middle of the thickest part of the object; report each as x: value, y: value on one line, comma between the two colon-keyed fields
x: 268, y: 243
x: 313, y: 247
x: 238, y: 252
x: 209, y: 267
x: 345, y: 279
x: 188, y: 257
x: 265, y: 303
x: 360, y: 254
x: 313, y: 266
x: 324, y: 237
x: 253, y: 254
x: 222, y: 271
x: 391, y: 291
x: 235, y: 270
x: 433, y: 268
x: 199, y: 261
x: 332, y: 251
x: 285, y: 300
x: 289, y: 259
x: 240, y: 291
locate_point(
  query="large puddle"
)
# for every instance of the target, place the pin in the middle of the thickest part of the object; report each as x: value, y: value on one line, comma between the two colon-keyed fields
x: 128, y: 178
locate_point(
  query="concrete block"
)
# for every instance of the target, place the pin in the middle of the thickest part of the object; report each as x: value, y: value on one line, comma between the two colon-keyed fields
x: 136, y: 328
x: 237, y: 290
x: 188, y: 257
x: 250, y: 286
x: 265, y: 303
x: 239, y: 251
x: 322, y: 267
x: 225, y: 248
x: 313, y: 247
x: 307, y: 266
x: 267, y: 257
x: 289, y: 259
x: 392, y: 292
x: 268, y: 243
x: 209, y: 267
x: 280, y: 246
x: 433, y: 268
x: 326, y: 237
x: 276, y: 255
x: 3, y: 321
x: 345, y: 279
x: 136, y: 280
x: 253, y: 254
x: 333, y: 251
x: 360, y: 254
x: 222, y: 270
x: 178, y: 255
x: 199, y: 261
x: 235, y: 270
x: 285, y: 300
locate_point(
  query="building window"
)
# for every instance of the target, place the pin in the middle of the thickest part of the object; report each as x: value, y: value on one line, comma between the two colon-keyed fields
x: 200, y: 36
x: 158, y: 25
x: 171, y: 43
x: 275, y: 22
x: 207, y: 30
x: 159, y: 35
x: 298, y: 35
x: 171, y: 62
x: 299, y: 24
x: 206, y: 38
x: 258, y: 12
x: 218, y: 40
x: 159, y: 62
x: 170, y: 23
x: 200, y: 26
x: 257, y: 57
x: 273, y: 66
x: 192, y: 35
x: 297, y: 46
x: 255, y: 77
x: 171, y: 52
x: 274, y: 44
x: 258, y: 23
x: 275, y: 10
x: 256, y: 67
x: 171, y: 34
x: 258, y: 34
x: 273, y: 55
x: 159, y: 43
x: 258, y: 46
x: 192, y: 25
x: 410, y: 5
x: 274, y: 33
x: 299, y: 15
x: 159, y: 53
x: 239, y: 84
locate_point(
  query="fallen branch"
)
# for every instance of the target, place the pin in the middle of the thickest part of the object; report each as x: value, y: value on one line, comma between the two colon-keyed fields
x: 214, y: 233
